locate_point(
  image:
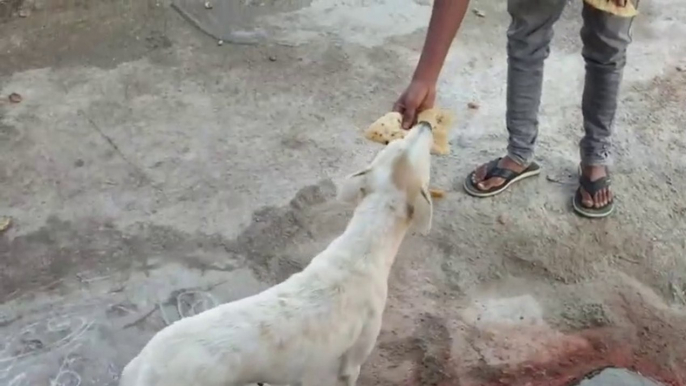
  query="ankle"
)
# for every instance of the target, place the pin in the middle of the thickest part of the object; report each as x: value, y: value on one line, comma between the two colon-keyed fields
x: 508, y: 163
x: 594, y: 172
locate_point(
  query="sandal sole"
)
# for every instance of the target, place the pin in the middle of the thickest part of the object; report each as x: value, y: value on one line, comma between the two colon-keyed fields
x: 468, y: 187
x: 591, y: 212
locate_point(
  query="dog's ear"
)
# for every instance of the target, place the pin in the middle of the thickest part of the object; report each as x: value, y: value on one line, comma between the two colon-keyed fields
x: 422, y: 211
x: 353, y: 188
x: 419, y: 205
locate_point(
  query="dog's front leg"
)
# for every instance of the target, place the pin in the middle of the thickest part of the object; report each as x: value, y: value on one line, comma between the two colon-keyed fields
x: 352, y: 360
x: 348, y: 376
x: 348, y: 372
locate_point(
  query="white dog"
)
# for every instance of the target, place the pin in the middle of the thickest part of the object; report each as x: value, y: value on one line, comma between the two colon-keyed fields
x: 320, y: 325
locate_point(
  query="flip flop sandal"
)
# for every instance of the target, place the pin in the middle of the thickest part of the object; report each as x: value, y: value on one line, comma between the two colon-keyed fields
x: 493, y: 170
x: 592, y: 187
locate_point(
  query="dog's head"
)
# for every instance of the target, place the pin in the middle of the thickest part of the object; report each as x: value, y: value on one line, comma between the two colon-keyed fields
x: 402, y: 169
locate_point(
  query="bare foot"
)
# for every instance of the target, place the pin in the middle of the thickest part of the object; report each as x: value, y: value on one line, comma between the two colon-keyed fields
x: 480, y: 174
x: 603, y: 196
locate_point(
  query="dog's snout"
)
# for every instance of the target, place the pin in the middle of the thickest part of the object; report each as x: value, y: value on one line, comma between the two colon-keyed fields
x: 425, y: 126
x: 420, y: 135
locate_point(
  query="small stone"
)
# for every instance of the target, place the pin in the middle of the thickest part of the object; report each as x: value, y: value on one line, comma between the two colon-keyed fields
x: 272, y: 58
x: 5, y: 223
x: 473, y: 105
x: 681, y: 68
x: 208, y: 5
x: 23, y: 13
x: 79, y: 163
x: 15, y: 98
x: 479, y: 13
x: 502, y: 219
x: 220, y: 43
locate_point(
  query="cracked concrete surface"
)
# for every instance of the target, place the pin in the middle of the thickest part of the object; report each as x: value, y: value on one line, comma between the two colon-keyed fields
x: 151, y: 174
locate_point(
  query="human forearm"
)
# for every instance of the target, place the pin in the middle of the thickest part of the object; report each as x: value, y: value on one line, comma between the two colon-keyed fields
x: 446, y: 18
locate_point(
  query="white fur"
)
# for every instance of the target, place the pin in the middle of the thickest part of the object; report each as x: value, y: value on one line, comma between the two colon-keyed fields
x: 321, y: 324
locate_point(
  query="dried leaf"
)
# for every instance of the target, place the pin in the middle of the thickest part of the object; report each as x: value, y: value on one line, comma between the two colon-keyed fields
x: 5, y: 223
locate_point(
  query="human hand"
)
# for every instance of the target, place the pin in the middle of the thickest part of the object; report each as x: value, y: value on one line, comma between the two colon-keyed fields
x: 419, y: 96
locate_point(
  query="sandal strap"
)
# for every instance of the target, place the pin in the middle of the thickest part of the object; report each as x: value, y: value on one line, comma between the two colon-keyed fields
x: 493, y: 170
x: 593, y: 187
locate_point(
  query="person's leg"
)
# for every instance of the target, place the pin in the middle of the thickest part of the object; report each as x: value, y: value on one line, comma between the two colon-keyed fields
x: 605, y: 40
x: 528, y: 45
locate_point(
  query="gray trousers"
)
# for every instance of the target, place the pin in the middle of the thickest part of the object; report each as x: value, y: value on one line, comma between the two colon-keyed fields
x: 605, y: 39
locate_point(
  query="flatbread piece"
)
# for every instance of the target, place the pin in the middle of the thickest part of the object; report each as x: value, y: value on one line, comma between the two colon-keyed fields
x: 609, y: 6
x: 389, y: 128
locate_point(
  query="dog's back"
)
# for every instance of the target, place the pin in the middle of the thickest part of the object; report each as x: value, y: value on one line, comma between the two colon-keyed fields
x: 303, y: 323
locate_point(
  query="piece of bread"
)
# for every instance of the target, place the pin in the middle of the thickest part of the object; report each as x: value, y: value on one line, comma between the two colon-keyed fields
x: 609, y: 6
x: 437, y: 193
x: 386, y: 129
x: 389, y: 128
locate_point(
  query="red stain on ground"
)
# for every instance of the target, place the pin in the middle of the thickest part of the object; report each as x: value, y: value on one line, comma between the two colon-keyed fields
x: 605, y: 349
x: 645, y: 338
x: 564, y: 360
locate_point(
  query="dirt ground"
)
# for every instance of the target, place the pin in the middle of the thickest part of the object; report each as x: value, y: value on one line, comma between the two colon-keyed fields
x: 151, y: 173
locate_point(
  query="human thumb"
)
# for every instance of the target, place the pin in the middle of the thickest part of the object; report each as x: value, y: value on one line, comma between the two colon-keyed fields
x: 408, y: 118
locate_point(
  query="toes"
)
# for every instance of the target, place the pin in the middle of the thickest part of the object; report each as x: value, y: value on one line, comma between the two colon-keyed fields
x: 478, y: 176
x: 586, y: 199
x: 606, y: 197
x: 480, y: 173
x: 600, y: 199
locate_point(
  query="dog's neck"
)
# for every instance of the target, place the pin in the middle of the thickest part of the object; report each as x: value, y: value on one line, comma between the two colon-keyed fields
x: 378, y: 226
